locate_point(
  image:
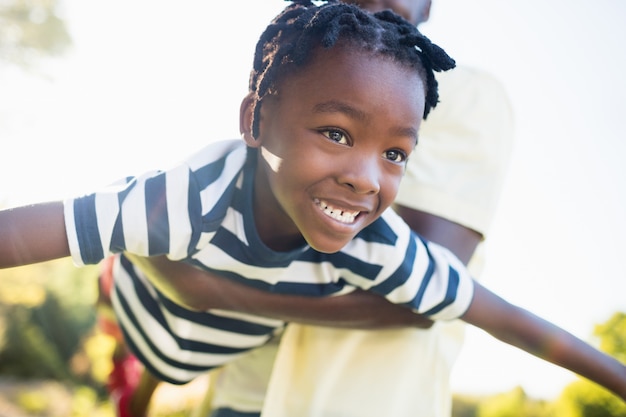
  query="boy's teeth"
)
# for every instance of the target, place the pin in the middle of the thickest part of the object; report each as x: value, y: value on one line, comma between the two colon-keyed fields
x: 343, y: 216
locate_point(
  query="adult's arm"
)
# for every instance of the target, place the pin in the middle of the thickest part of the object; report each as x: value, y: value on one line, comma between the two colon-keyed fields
x: 523, y: 329
x: 199, y: 290
x: 461, y: 240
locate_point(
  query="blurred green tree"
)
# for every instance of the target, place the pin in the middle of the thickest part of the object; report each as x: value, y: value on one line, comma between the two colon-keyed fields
x: 31, y: 30
x: 46, y: 311
x: 514, y: 403
x: 465, y: 405
x: 612, y: 335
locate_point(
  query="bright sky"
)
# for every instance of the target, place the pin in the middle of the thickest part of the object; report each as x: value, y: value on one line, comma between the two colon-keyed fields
x: 147, y: 83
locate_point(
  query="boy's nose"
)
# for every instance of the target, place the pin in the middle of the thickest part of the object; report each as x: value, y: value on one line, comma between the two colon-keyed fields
x: 362, y: 174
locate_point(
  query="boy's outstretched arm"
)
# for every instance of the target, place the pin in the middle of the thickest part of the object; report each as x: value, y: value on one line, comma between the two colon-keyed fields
x: 32, y: 234
x: 521, y: 328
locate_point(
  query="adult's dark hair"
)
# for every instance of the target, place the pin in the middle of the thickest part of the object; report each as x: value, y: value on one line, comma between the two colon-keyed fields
x: 291, y: 38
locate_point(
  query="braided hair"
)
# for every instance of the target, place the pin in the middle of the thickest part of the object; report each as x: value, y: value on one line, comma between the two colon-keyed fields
x: 290, y: 39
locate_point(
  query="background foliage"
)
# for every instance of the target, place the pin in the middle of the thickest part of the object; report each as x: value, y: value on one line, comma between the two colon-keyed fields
x: 30, y: 30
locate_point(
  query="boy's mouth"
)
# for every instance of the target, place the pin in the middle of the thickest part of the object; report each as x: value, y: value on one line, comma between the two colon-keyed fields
x: 344, y: 216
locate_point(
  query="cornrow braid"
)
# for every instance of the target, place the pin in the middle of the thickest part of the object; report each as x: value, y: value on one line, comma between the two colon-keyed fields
x: 291, y: 38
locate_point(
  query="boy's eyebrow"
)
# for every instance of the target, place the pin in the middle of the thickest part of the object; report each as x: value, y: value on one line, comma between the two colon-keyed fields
x: 408, y: 132
x: 334, y: 106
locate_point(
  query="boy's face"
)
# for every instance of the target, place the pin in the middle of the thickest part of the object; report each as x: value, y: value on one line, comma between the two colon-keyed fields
x: 333, y: 146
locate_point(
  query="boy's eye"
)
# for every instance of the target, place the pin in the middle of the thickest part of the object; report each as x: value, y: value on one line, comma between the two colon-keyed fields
x: 336, y: 136
x: 395, y: 155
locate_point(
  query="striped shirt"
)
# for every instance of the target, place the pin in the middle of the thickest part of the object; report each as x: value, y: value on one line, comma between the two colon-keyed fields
x: 201, y: 212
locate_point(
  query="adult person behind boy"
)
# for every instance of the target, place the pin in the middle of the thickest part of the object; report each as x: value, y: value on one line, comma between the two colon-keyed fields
x: 449, y: 195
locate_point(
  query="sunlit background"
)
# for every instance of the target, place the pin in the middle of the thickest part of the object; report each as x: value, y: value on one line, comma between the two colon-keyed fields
x: 146, y: 83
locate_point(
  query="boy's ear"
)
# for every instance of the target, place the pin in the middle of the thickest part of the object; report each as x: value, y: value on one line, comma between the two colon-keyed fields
x: 246, y: 115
